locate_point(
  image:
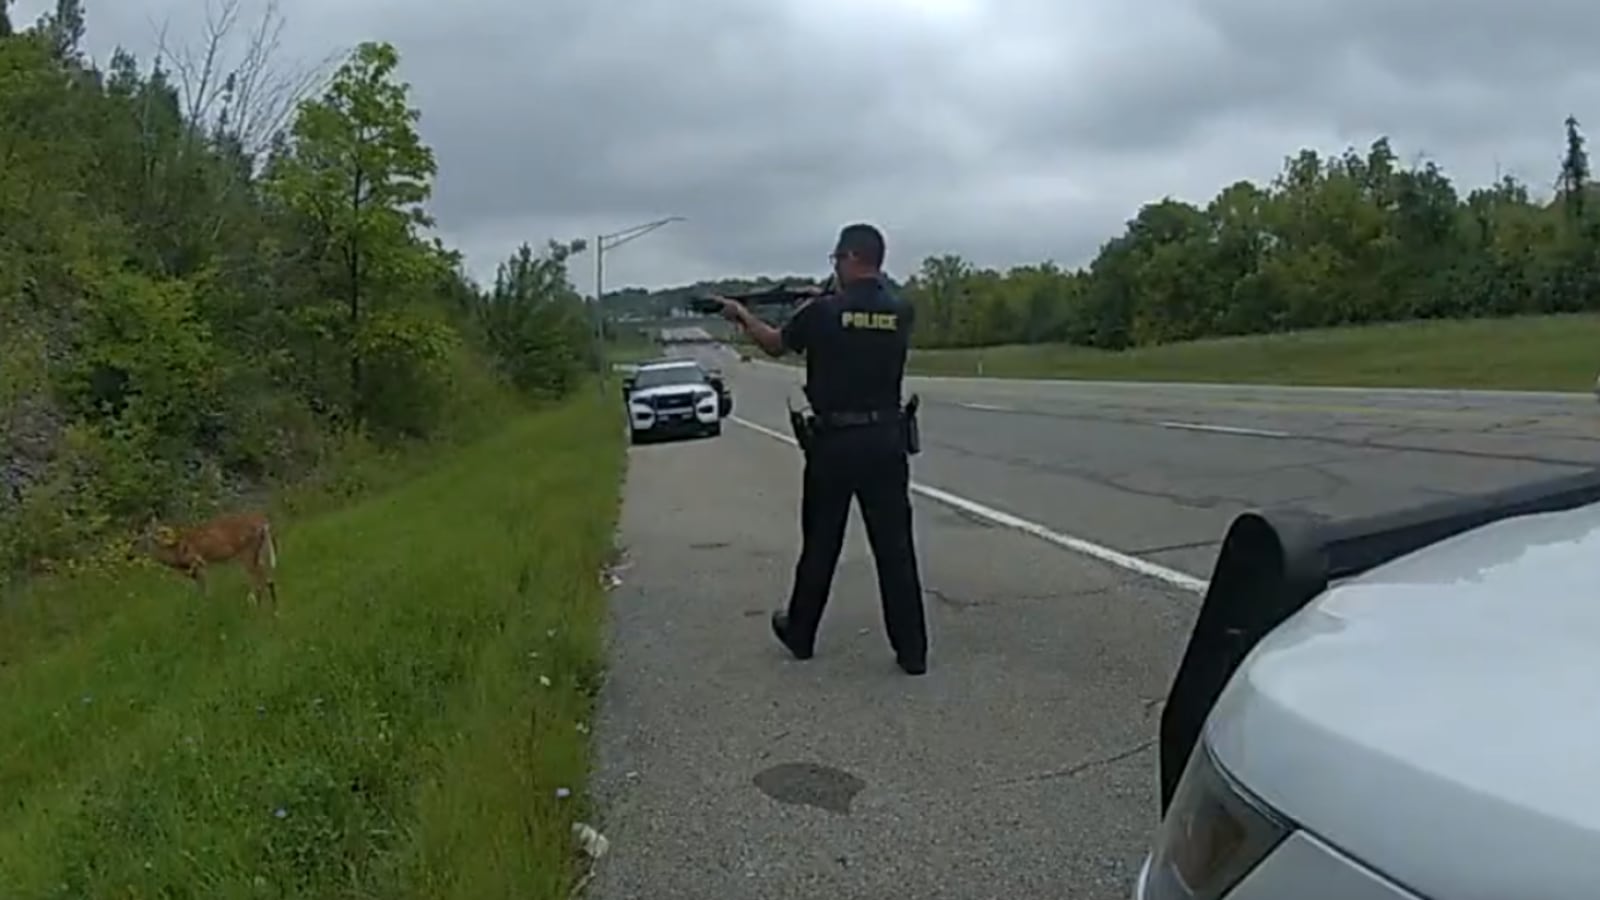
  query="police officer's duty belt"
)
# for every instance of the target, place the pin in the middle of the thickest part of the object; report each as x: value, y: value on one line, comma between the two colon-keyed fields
x: 857, y: 419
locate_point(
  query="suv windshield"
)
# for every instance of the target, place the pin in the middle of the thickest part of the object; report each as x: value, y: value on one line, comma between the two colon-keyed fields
x: 668, y: 375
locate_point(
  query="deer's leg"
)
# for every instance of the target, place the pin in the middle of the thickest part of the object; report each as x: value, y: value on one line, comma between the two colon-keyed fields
x: 264, y: 562
x: 257, y: 578
x: 198, y: 573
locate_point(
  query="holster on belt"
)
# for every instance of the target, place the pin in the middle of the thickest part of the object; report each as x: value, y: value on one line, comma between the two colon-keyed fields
x: 908, y: 423
x: 802, y: 427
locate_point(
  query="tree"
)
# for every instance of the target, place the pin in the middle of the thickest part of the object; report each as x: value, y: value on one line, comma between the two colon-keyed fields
x: 1574, y: 171
x: 177, y: 328
x: 940, y: 291
x: 1335, y: 239
x: 64, y: 29
x: 245, y: 95
x: 534, y: 320
x: 359, y: 174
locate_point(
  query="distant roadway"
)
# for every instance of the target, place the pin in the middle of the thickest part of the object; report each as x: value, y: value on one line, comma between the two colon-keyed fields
x: 1157, y: 471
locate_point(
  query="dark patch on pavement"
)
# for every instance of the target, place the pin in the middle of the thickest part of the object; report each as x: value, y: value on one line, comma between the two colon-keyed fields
x: 810, y: 784
x: 709, y: 545
x: 753, y: 613
x: 956, y: 602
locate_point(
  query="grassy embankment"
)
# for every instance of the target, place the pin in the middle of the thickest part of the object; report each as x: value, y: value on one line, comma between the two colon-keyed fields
x: 1558, y: 353
x: 407, y: 728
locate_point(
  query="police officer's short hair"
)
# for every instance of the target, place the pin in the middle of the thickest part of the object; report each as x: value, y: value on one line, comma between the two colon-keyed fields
x: 862, y: 241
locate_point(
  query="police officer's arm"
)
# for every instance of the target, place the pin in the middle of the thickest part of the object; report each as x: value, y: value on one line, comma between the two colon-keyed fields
x: 766, y: 337
x: 794, y: 336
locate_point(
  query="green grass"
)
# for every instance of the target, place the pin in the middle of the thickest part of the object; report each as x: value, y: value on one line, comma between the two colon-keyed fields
x: 388, y: 737
x: 1558, y: 353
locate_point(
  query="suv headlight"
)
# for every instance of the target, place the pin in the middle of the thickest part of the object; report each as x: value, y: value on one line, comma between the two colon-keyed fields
x: 1213, y: 834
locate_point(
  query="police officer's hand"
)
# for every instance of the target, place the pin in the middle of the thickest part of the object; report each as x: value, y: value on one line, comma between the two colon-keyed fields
x: 732, y: 310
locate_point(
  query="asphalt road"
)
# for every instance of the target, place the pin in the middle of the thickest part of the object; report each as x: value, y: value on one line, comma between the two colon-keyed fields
x: 1022, y: 765
x: 1158, y: 471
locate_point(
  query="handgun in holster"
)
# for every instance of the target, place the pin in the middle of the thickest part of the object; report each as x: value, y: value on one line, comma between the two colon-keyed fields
x: 908, y: 422
x: 801, y: 425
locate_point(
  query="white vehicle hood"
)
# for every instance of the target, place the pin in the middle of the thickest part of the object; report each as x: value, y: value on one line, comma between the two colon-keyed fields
x: 673, y: 390
x: 1438, y: 717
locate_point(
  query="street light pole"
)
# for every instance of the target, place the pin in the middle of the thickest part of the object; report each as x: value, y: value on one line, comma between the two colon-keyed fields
x: 599, y: 312
x: 602, y: 243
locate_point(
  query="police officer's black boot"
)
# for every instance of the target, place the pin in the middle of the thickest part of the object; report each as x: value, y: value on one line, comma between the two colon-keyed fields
x: 780, y: 628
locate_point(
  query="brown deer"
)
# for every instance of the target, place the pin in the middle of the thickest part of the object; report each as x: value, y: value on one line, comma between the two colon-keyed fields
x: 245, y: 538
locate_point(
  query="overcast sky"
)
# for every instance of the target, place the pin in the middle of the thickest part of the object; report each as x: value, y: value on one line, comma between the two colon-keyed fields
x: 1007, y: 131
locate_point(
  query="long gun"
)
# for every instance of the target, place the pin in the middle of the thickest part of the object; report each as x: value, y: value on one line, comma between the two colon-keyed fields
x: 780, y: 295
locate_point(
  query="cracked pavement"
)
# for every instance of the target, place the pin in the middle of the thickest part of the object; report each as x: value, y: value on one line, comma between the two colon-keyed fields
x: 1023, y: 764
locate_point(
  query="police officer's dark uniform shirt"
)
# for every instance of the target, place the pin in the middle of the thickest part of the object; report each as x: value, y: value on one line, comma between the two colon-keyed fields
x: 855, y: 343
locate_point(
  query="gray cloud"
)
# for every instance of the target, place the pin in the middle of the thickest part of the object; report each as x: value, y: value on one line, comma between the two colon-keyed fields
x: 1007, y: 131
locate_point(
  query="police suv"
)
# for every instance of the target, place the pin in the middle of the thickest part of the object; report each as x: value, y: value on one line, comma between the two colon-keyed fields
x: 1404, y: 707
x: 675, y: 397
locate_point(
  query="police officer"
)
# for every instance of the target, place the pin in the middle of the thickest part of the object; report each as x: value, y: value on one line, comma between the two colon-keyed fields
x: 855, y: 340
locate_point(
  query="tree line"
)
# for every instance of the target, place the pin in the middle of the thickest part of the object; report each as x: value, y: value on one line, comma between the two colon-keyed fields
x: 1352, y: 239
x: 218, y: 277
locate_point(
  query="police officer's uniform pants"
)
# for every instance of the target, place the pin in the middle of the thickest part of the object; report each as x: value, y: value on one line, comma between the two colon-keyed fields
x: 867, y: 463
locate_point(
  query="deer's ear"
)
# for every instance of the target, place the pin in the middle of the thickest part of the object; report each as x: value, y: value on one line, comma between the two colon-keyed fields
x: 165, y: 534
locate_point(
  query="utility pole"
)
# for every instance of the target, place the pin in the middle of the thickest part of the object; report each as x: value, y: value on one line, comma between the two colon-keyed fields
x: 599, y: 312
x: 602, y: 243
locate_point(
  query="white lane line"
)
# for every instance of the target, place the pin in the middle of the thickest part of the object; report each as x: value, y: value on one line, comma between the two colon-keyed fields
x: 986, y: 407
x: 1225, y: 429
x: 1004, y: 519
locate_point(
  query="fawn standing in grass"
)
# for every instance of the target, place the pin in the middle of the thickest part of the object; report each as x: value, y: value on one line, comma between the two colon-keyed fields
x: 242, y: 537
